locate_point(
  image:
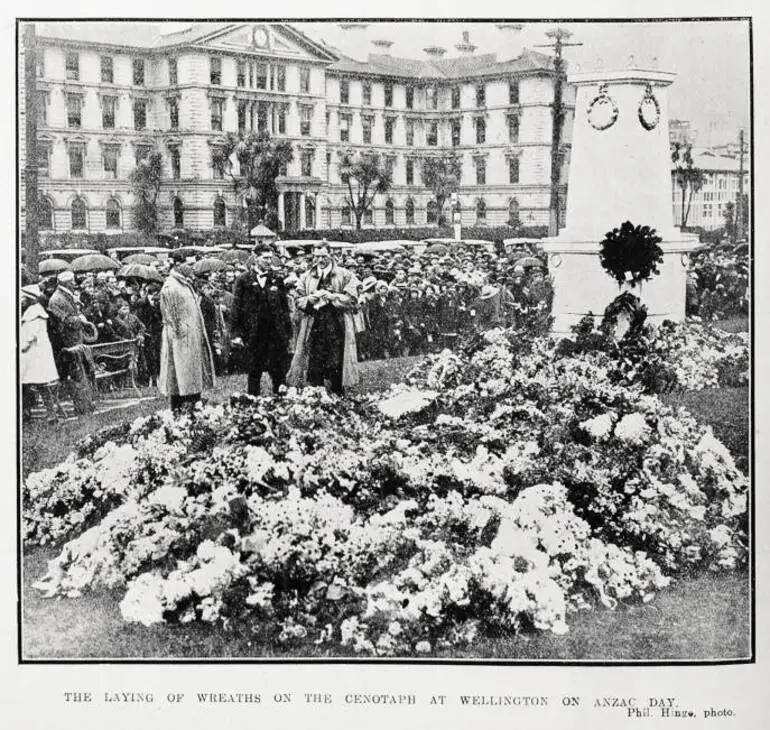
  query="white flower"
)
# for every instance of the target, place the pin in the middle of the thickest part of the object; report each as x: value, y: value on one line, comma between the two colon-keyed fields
x: 600, y: 426
x: 632, y: 428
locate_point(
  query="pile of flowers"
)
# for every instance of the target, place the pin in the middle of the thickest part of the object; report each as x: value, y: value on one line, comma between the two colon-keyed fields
x: 496, y: 490
x: 720, y: 282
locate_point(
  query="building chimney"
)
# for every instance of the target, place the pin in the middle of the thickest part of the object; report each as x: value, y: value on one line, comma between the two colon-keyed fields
x: 354, y: 40
x: 466, y: 48
x: 383, y: 46
x: 509, y: 40
x: 435, y: 52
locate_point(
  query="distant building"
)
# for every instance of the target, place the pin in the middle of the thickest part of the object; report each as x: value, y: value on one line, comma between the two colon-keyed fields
x: 112, y: 92
x: 681, y: 131
x: 708, y: 205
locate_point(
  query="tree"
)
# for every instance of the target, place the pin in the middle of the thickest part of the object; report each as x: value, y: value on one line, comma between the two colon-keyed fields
x: 729, y: 214
x: 442, y: 175
x: 689, y: 178
x: 259, y: 158
x: 365, y: 174
x: 145, y: 179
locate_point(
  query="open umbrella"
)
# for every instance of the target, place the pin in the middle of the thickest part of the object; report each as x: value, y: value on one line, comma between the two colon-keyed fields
x: 438, y: 248
x: 529, y: 261
x: 52, y: 266
x: 140, y: 258
x: 94, y: 262
x: 234, y: 255
x: 209, y: 266
x: 139, y: 271
x: 199, y: 251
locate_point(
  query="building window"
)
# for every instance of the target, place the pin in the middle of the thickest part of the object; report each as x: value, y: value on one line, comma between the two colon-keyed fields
x: 368, y: 217
x: 410, y: 132
x: 304, y: 80
x: 261, y: 75
x: 309, y: 213
x: 410, y: 97
x: 283, y: 169
x: 172, y: 72
x: 217, y: 106
x: 178, y: 213
x: 240, y: 73
x: 345, y: 214
x: 215, y: 71
x: 456, y: 132
x: 432, y: 212
x: 366, y: 93
x: 513, y: 129
x: 282, y: 119
x: 77, y: 154
x: 345, y: 121
x: 108, y: 76
x: 481, y: 172
x: 44, y: 214
x: 279, y: 74
x: 409, y: 212
x: 176, y: 163
x: 388, y: 131
x: 328, y: 166
x: 431, y: 137
x: 242, y: 113
x: 366, y: 127
x: 432, y: 97
x: 389, y: 213
x: 72, y: 66
x: 481, y: 131
x: 481, y: 213
x: 108, y: 111
x: 481, y: 95
x: 388, y: 94
x: 110, y: 162
x: 513, y: 92
x: 261, y: 117
x: 140, y: 114
x: 74, y: 111
x: 173, y: 114
x: 43, y: 159
x: 344, y: 91
x: 112, y: 214
x: 455, y: 97
x: 78, y: 212
x: 513, y: 170
x: 220, y: 213
x: 514, y: 216
x: 42, y: 109
x: 306, y: 163
x: 138, y: 72
x: 305, y: 116
x: 142, y: 153
x: 410, y: 172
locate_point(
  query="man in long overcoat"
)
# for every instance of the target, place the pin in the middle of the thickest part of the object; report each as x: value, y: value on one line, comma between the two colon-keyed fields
x: 186, y: 364
x: 326, y: 343
x: 261, y: 322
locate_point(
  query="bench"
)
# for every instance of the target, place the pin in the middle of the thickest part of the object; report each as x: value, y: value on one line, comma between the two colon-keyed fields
x: 116, y: 365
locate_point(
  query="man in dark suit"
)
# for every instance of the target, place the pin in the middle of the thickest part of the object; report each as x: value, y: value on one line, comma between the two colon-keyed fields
x: 261, y: 321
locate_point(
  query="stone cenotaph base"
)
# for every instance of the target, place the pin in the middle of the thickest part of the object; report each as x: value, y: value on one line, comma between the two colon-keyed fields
x: 620, y: 170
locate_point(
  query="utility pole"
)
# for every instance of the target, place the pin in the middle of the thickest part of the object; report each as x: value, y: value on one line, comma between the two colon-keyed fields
x: 738, y: 227
x: 30, y: 151
x: 560, y: 36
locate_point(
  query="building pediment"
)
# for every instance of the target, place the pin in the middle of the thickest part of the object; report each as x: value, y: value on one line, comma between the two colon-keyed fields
x: 270, y: 39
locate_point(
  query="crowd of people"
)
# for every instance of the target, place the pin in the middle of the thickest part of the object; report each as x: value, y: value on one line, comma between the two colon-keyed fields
x: 308, y: 316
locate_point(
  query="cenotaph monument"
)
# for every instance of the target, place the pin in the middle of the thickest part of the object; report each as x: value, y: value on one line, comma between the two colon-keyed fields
x: 620, y: 170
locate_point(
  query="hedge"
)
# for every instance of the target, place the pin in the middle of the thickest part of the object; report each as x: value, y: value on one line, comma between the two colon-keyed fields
x: 486, y: 233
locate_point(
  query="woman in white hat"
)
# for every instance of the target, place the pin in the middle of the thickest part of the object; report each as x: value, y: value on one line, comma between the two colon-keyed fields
x: 38, y: 369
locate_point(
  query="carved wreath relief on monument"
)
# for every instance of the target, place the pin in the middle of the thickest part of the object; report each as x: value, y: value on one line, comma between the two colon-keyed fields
x: 649, y: 109
x: 602, y: 111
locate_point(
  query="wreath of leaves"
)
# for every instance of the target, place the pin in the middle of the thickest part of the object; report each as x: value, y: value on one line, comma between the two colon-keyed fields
x: 602, y: 98
x: 649, y: 96
x: 631, y: 250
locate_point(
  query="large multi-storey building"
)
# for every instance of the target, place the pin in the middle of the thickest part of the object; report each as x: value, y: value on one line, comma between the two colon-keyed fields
x: 112, y: 92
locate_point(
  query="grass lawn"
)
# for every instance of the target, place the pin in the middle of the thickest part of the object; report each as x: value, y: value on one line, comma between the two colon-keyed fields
x: 700, y: 617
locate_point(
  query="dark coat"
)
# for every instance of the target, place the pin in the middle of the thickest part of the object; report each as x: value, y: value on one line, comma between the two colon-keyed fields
x: 261, y: 318
x: 66, y: 313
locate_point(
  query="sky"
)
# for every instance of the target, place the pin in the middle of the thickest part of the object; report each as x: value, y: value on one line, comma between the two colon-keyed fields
x: 710, y: 58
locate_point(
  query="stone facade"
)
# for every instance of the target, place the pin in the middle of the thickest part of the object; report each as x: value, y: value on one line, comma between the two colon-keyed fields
x: 104, y: 103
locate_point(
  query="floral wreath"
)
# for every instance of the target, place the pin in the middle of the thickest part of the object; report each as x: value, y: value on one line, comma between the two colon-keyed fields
x: 631, y: 250
x: 601, y: 100
x: 627, y: 304
x: 647, y: 99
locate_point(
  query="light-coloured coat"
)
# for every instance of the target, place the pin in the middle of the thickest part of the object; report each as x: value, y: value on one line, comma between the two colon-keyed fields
x: 37, y: 363
x: 344, y: 283
x: 186, y: 363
